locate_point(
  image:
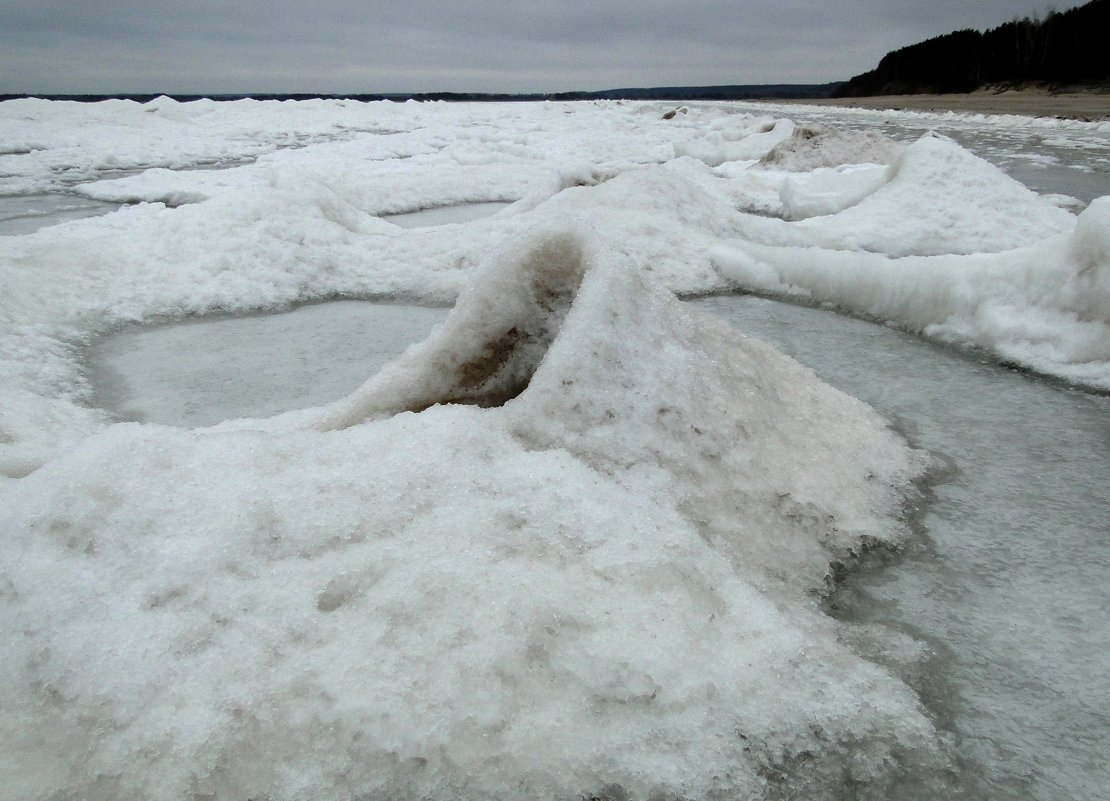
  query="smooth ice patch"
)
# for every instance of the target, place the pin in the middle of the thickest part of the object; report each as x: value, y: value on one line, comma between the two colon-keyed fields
x: 1009, y: 595
x: 25, y: 214
x: 445, y: 215
x: 201, y: 372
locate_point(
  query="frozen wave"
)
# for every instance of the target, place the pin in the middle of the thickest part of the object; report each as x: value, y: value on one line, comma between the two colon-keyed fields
x: 935, y: 198
x: 813, y: 147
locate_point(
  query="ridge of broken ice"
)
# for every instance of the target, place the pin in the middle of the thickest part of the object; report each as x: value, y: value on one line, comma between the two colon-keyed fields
x: 304, y: 223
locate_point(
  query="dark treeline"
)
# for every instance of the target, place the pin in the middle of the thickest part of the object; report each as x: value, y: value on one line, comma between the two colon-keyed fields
x: 1070, y: 47
x: 678, y: 93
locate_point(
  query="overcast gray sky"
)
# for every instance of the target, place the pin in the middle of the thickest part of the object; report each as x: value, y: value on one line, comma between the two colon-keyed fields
x: 345, y: 46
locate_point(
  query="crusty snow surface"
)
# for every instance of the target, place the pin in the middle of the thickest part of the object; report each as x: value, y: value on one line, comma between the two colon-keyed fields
x: 574, y: 540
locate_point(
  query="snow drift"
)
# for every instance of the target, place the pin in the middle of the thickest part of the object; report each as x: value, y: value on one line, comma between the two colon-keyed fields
x: 565, y: 545
x: 1045, y: 305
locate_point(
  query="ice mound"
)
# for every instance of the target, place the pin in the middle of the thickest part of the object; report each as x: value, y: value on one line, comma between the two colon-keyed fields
x: 937, y: 198
x: 1045, y: 306
x: 830, y: 169
x: 736, y: 138
x: 564, y: 547
x: 811, y: 147
x: 941, y: 198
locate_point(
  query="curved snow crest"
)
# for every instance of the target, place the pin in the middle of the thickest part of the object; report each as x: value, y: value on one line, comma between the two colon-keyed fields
x: 830, y: 190
x: 937, y: 198
x: 601, y: 579
x: 505, y: 343
x: 1045, y: 306
x: 488, y: 348
x: 739, y: 137
x: 812, y: 147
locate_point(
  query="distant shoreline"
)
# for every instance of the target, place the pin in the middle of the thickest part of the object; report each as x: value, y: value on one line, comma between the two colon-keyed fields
x: 1090, y: 106
x: 1026, y: 101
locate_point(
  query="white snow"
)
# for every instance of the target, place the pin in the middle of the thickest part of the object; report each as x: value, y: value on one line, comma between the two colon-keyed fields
x: 828, y: 190
x: 568, y: 542
x: 735, y: 138
x: 601, y: 579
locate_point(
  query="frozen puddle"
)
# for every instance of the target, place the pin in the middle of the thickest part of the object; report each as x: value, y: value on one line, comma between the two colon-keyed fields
x: 201, y: 372
x: 444, y: 215
x: 1009, y: 589
x: 25, y: 214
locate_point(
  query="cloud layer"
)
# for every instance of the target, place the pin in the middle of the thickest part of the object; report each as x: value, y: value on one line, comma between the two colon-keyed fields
x: 425, y: 45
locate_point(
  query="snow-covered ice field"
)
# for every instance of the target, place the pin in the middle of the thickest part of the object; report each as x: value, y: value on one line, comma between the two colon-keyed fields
x: 580, y: 538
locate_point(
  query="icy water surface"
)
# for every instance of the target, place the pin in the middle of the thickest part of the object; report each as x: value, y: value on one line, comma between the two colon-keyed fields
x: 1008, y: 588
x: 25, y: 214
x: 201, y: 372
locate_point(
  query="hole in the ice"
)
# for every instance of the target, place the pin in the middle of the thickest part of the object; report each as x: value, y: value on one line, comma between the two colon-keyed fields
x: 200, y: 372
x: 445, y: 215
